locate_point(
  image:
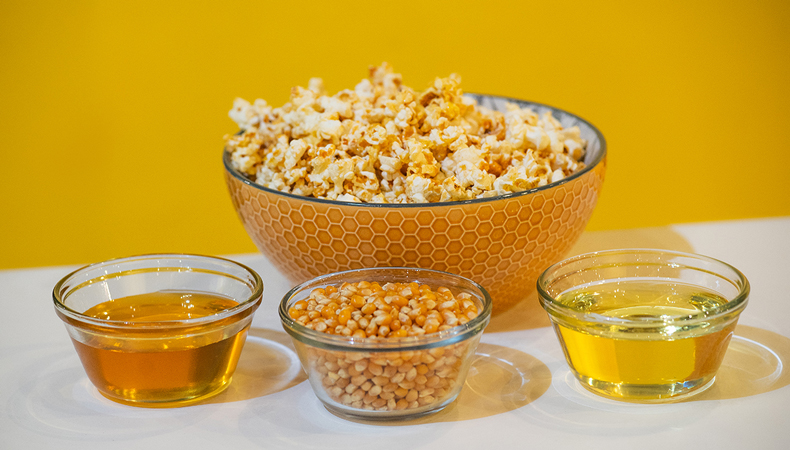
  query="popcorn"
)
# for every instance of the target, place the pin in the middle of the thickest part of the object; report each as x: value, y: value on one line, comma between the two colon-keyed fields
x: 383, y: 142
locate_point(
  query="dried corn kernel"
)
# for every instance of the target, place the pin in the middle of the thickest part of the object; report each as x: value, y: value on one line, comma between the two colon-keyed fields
x: 379, y: 307
x: 387, y: 380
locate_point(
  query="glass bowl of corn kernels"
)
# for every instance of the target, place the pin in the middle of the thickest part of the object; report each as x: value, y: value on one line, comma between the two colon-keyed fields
x: 386, y: 343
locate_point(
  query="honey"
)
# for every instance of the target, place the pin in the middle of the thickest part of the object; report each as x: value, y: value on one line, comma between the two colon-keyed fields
x: 656, y: 344
x: 150, y: 364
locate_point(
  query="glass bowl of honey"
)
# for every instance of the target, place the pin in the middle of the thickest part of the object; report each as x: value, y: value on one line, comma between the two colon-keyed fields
x: 159, y: 330
x: 386, y: 343
x: 641, y: 325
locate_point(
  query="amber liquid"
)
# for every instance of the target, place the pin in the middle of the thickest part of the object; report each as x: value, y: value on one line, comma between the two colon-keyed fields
x: 645, y: 363
x: 160, y: 366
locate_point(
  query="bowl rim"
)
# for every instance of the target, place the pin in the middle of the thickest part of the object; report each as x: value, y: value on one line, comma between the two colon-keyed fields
x: 597, y: 160
x: 58, y: 292
x: 733, y: 306
x: 410, y: 343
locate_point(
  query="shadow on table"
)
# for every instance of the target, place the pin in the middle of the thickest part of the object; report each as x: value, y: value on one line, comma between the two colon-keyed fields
x: 268, y: 364
x: 528, y: 313
x: 53, y: 397
x: 756, y: 362
x: 500, y: 379
x: 660, y: 237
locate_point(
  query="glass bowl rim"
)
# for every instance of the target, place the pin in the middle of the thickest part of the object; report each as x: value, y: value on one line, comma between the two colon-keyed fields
x: 253, y: 299
x: 599, y: 158
x: 735, y: 305
x: 334, y: 342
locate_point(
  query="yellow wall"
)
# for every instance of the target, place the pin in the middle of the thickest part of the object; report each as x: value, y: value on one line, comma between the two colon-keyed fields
x: 112, y: 113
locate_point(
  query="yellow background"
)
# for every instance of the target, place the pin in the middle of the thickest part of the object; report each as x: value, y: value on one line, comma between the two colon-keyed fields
x: 112, y: 113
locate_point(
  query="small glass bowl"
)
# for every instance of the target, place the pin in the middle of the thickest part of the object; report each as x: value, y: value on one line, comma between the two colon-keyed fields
x: 165, y: 362
x: 642, y: 325
x: 446, y: 355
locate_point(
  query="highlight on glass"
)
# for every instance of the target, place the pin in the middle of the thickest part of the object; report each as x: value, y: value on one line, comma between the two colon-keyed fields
x: 643, y: 325
x: 159, y: 330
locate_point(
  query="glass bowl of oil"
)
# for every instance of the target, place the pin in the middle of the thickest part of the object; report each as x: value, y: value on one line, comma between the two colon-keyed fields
x: 642, y: 325
x: 159, y: 330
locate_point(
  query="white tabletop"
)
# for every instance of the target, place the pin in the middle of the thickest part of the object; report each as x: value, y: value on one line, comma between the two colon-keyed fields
x: 520, y: 392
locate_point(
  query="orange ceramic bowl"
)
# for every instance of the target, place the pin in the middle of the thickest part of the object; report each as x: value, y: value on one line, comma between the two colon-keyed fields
x: 502, y: 243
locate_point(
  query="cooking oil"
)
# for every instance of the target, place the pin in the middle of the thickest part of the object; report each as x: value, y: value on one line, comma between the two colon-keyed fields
x: 643, y: 339
x: 153, y: 364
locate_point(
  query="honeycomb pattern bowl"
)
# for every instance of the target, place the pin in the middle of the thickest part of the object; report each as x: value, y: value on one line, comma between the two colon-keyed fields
x: 502, y: 243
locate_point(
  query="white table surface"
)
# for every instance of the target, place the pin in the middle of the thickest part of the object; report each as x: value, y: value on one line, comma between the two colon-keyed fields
x: 519, y: 393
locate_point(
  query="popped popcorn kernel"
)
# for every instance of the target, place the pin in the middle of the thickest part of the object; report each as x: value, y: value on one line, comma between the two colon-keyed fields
x: 384, y: 142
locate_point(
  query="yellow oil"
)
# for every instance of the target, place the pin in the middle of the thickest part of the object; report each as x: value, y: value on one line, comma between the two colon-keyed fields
x: 160, y: 365
x: 658, y: 361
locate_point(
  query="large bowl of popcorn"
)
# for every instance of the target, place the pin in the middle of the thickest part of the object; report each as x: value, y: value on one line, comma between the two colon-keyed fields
x: 490, y: 188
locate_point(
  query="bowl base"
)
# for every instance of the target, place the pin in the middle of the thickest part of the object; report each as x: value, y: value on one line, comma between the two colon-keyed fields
x: 168, y: 403
x: 358, y: 415
x: 646, y: 393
